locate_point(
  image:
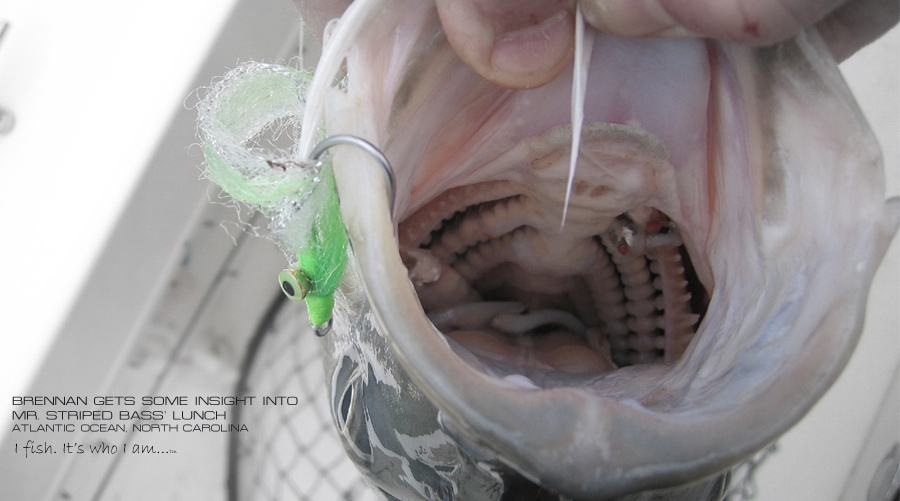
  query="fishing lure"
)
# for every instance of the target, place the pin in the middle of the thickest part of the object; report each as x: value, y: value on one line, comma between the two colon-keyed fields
x: 297, y: 195
x: 242, y: 119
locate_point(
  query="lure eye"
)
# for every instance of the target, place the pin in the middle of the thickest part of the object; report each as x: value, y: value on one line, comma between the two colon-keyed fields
x: 294, y: 284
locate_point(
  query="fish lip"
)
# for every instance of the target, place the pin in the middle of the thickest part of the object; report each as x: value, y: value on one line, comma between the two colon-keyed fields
x: 628, y: 446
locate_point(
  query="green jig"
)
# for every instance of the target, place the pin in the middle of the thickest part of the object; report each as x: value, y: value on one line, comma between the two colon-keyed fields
x: 298, y: 197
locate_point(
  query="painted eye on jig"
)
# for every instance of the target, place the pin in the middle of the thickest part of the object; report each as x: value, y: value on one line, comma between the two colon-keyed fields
x: 294, y: 284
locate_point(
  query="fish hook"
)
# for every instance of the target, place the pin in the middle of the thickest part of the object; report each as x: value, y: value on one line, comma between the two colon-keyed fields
x: 295, y: 282
x: 371, y: 149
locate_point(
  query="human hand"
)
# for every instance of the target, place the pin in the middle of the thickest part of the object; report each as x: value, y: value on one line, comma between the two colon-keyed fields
x: 527, y: 43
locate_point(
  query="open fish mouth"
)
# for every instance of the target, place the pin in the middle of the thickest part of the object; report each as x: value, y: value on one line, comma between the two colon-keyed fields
x: 706, y: 287
x: 613, y: 287
x: 684, y: 301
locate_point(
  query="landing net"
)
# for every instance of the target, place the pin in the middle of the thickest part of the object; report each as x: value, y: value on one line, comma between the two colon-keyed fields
x: 294, y: 453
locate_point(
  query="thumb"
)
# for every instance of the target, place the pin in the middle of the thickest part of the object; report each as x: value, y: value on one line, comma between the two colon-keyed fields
x: 518, y: 44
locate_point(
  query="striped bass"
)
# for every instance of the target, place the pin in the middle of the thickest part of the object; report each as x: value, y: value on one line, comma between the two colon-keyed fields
x: 510, y: 328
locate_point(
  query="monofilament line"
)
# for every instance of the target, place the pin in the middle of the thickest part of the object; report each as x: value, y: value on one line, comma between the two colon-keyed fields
x: 584, y: 43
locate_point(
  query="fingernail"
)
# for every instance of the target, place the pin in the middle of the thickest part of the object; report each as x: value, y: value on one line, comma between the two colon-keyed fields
x: 535, y: 53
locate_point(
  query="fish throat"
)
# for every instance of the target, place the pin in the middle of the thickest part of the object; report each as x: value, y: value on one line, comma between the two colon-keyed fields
x: 518, y: 295
x: 491, y: 176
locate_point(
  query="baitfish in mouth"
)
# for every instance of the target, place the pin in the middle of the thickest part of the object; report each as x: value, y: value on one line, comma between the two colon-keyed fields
x: 706, y: 287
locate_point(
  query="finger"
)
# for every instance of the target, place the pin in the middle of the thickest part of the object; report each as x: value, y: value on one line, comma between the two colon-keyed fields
x: 856, y: 24
x: 514, y: 43
x: 759, y: 22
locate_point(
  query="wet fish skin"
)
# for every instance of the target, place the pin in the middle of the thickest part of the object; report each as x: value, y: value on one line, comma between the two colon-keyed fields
x: 390, y: 429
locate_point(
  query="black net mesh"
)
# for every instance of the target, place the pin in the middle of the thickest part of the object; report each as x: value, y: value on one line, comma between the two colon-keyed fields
x: 294, y: 452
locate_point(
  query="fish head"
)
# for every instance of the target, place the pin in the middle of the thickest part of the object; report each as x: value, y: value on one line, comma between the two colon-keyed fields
x: 705, y: 288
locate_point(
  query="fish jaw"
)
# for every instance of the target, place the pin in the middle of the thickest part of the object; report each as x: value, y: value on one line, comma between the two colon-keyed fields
x: 782, y: 206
